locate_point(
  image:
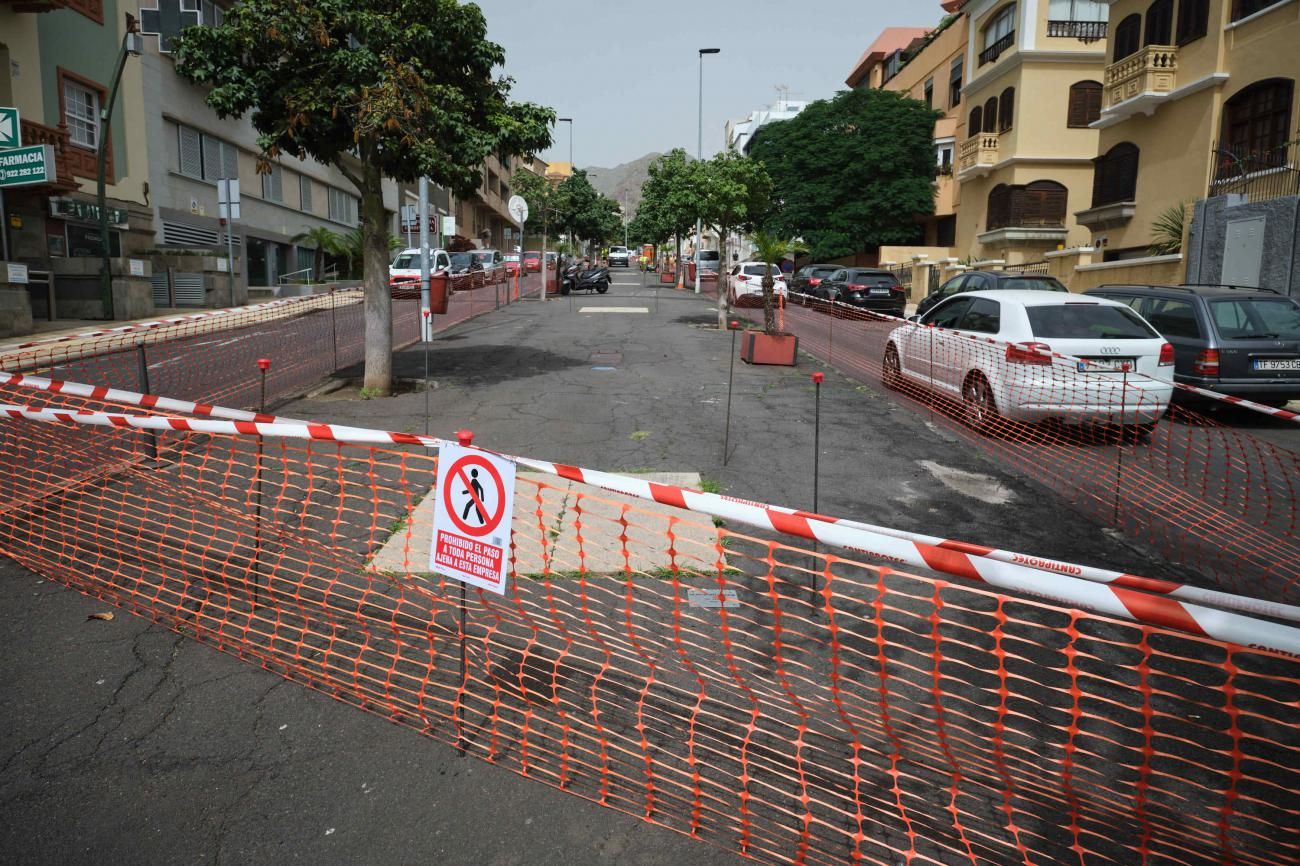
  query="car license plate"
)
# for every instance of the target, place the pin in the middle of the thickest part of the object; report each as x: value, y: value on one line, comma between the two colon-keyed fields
x: 1106, y: 365
x: 1277, y: 364
x: 880, y: 291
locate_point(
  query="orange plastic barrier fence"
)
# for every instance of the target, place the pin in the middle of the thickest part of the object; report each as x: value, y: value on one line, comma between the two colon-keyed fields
x: 791, y: 705
x: 1212, y: 498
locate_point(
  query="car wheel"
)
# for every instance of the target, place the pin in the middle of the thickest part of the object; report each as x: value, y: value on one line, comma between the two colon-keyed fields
x: 891, y: 371
x: 602, y: 288
x: 979, y: 409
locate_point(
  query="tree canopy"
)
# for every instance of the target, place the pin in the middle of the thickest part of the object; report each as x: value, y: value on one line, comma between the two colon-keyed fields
x: 850, y: 171
x: 378, y: 88
x: 670, y: 196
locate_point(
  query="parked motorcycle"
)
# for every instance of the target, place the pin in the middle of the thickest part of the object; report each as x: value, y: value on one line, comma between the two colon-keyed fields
x: 578, y: 278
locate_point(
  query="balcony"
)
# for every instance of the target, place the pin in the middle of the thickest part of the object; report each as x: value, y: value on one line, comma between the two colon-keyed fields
x: 1106, y: 216
x: 38, y: 133
x: 1141, y: 81
x: 1084, y: 31
x: 994, y: 51
x: 978, y: 155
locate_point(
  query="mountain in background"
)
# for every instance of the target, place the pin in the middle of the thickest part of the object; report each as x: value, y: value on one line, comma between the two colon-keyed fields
x: 623, y: 182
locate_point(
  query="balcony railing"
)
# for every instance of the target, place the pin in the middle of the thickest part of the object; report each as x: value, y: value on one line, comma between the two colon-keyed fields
x: 978, y: 151
x: 38, y: 133
x: 1153, y: 70
x: 988, y: 55
x: 1259, y: 175
x: 1084, y: 31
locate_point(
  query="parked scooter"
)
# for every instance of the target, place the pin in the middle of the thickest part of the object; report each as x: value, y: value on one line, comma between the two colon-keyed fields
x: 580, y: 277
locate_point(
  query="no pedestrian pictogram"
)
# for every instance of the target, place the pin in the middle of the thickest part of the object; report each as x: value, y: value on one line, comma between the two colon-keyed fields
x: 471, y: 523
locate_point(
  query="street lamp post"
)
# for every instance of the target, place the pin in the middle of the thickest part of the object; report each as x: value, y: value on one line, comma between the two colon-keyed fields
x: 568, y: 120
x: 699, y: 154
x: 131, y: 47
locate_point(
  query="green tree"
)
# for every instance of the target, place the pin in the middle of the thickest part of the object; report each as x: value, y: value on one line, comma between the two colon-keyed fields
x: 583, y: 212
x: 850, y: 171
x: 324, y: 241
x: 377, y: 88
x: 734, y: 192
x: 541, y: 196
x: 670, y: 199
x: 770, y: 249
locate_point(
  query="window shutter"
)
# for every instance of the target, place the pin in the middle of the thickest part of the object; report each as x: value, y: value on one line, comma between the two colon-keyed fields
x: 976, y: 115
x: 211, y: 157
x: 1006, y: 109
x: 304, y: 192
x: 191, y: 152
x: 229, y: 160
x: 1160, y: 20
x: 1085, y: 103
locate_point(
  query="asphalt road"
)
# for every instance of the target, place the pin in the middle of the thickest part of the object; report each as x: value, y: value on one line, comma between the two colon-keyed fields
x: 127, y: 742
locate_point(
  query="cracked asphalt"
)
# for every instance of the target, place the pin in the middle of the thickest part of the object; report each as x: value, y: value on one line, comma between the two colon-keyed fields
x: 126, y: 742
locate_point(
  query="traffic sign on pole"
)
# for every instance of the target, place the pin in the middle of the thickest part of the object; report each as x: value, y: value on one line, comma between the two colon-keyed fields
x: 25, y: 166
x: 472, y: 517
x: 518, y: 208
x: 10, y: 129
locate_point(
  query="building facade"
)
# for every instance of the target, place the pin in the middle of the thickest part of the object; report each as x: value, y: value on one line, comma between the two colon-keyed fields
x: 1024, y: 173
x: 1199, y: 98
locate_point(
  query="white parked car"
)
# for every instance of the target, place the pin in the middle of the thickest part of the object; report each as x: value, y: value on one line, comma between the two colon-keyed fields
x: 998, y: 352
x: 405, y: 268
x: 745, y: 284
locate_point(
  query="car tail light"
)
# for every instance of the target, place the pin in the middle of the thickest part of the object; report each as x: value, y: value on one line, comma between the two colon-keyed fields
x: 1029, y: 353
x: 854, y: 287
x: 742, y: 278
x: 1166, y: 355
x: 814, y: 281
x: 1206, y: 363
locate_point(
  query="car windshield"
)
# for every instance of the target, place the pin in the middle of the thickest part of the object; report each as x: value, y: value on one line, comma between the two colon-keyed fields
x: 482, y: 258
x: 708, y: 255
x: 532, y: 256
x: 618, y: 249
x: 512, y: 258
x: 1257, y: 318
x: 760, y: 270
x: 461, y: 260
x: 1038, y: 284
x: 409, y: 262
x: 1082, y: 321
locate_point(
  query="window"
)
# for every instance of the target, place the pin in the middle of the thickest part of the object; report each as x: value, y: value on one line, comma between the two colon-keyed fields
x: 954, y: 82
x: 1128, y: 33
x: 1076, y: 10
x: 1080, y: 321
x: 976, y: 117
x: 1245, y: 8
x: 991, y: 114
x: 81, y: 113
x: 893, y: 63
x: 983, y: 316
x: 1173, y: 318
x: 1242, y: 318
x: 929, y: 93
x: 273, y: 184
x: 343, y: 207
x: 210, y: 14
x: 945, y: 231
x: 1085, y: 103
x: 948, y: 314
x: 943, y: 158
x: 1041, y: 204
x: 1256, y: 122
x: 304, y: 193
x: 1193, y: 20
x: 1115, y: 174
x: 1000, y: 26
x: 1160, y: 23
x: 1006, y: 109
x: 205, y: 157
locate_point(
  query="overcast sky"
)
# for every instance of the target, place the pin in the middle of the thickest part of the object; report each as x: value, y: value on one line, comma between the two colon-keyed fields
x: 628, y: 73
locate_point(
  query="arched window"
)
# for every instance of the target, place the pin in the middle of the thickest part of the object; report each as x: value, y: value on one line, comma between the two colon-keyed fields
x: 998, y: 214
x: 1085, y: 103
x: 1257, y: 122
x: 1193, y: 20
x: 1006, y: 109
x: 1115, y: 175
x: 1128, y: 36
x: 976, y: 117
x: 991, y: 114
x: 999, y: 33
x: 1042, y: 204
x: 1160, y: 23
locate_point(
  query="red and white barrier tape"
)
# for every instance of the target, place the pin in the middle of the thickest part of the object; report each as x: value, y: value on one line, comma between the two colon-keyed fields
x: 1284, y: 414
x: 1108, y: 598
x: 1158, y: 586
x: 154, y: 324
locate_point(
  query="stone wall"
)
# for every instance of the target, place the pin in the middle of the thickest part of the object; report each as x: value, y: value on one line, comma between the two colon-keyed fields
x: 1280, y: 266
x: 15, y: 310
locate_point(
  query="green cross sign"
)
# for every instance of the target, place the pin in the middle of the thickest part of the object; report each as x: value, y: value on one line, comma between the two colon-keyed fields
x: 24, y: 166
x: 9, y: 134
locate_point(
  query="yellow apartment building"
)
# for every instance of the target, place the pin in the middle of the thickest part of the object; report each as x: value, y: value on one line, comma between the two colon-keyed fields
x: 1033, y: 87
x: 1199, y: 98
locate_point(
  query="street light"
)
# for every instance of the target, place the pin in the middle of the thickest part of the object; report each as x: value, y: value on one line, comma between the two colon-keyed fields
x: 132, y: 45
x: 568, y: 120
x: 699, y: 154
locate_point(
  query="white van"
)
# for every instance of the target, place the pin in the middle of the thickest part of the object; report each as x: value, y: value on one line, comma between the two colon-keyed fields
x: 709, y: 261
x: 406, y: 267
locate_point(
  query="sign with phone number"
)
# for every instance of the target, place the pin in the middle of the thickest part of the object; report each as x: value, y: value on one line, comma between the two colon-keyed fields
x: 25, y: 166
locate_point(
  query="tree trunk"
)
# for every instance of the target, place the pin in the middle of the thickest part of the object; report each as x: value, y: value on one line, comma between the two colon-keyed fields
x: 769, y: 301
x: 724, y: 271
x: 378, y: 379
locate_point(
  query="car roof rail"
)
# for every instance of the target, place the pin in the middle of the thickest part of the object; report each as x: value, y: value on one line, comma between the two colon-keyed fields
x: 1183, y: 287
x: 1236, y: 287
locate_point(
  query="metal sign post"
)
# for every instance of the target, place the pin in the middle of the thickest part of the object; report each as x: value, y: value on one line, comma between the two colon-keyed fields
x: 426, y: 322
x: 519, y: 210
x: 228, y: 207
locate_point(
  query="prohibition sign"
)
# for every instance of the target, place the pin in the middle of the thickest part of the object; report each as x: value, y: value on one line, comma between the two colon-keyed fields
x: 457, y: 474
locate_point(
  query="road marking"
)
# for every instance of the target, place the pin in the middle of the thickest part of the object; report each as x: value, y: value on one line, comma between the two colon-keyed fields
x: 613, y: 309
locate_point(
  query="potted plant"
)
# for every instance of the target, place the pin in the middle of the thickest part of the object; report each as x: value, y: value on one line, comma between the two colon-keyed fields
x: 770, y: 346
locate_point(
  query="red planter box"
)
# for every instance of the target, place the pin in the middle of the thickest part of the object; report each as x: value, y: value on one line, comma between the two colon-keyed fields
x: 668, y: 277
x: 757, y: 347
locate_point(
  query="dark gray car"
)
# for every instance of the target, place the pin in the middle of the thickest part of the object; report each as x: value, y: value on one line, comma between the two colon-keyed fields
x: 1242, y: 342
x: 987, y: 281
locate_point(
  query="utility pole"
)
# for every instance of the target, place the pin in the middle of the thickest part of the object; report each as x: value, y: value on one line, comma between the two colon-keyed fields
x: 699, y: 154
x: 132, y: 45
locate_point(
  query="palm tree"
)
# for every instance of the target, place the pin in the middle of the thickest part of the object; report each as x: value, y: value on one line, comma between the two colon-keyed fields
x: 770, y: 249
x: 1167, y: 231
x: 324, y: 241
